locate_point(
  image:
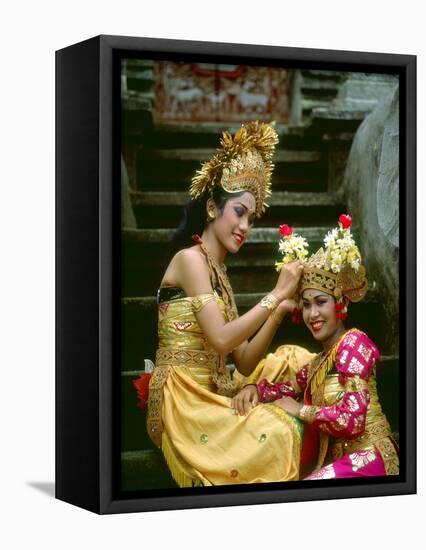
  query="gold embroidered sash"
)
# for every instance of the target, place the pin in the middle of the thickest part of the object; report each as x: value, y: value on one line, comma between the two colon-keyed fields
x: 166, y: 359
x: 373, y: 433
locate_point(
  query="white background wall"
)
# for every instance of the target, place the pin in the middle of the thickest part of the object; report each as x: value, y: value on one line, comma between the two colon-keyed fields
x: 30, y: 33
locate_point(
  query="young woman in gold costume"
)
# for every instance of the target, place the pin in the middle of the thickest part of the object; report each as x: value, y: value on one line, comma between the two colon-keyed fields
x: 189, y: 408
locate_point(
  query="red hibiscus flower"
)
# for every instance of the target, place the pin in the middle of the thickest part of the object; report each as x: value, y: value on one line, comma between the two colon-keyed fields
x: 345, y: 220
x: 285, y: 230
x: 296, y: 316
x: 141, y: 386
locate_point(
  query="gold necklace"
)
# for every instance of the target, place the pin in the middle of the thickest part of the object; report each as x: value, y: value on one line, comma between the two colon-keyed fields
x: 325, y: 364
x: 221, y: 278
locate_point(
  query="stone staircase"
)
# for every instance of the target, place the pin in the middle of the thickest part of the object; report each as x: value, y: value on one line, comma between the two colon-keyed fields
x: 308, y: 169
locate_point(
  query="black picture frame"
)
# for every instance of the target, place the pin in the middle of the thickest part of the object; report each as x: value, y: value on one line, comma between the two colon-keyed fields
x: 87, y: 244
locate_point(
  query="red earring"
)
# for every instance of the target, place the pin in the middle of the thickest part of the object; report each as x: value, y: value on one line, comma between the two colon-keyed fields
x: 296, y: 316
x: 341, y: 311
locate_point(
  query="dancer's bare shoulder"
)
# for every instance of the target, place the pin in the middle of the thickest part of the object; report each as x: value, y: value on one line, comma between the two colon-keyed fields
x: 188, y: 270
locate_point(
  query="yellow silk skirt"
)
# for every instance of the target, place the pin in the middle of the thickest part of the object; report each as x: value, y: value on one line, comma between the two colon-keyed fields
x: 205, y: 443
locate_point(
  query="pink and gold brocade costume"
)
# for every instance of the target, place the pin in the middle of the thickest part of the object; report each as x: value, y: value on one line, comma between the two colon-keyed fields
x: 345, y: 427
x: 190, y: 415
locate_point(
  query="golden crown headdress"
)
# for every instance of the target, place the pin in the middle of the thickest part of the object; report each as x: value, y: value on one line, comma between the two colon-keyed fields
x: 243, y: 163
x: 335, y: 269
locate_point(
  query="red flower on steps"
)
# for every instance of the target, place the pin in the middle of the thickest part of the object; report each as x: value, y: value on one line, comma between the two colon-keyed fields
x: 141, y: 385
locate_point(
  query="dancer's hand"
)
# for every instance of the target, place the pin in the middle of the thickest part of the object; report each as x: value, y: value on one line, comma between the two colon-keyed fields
x: 245, y: 400
x: 289, y: 404
x: 286, y: 306
x: 288, y: 280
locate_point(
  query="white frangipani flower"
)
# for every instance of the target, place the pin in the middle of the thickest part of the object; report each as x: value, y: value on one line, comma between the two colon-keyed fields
x: 292, y: 247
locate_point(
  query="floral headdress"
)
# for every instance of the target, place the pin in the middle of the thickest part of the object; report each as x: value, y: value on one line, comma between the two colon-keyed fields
x: 335, y: 269
x: 243, y: 163
x: 292, y: 246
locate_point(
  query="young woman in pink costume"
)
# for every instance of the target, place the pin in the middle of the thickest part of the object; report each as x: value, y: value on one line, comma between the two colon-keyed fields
x: 346, y: 433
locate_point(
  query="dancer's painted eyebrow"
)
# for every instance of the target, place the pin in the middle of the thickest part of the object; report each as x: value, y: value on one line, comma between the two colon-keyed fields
x: 315, y: 297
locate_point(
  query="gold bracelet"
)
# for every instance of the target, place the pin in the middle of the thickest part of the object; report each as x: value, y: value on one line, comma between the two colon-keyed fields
x: 269, y: 302
x: 276, y: 317
x: 307, y: 413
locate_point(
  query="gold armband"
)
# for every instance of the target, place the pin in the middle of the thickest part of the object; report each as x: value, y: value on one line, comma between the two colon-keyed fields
x: 307, y: 413
x: 198, y: 302
x: 269, y: 302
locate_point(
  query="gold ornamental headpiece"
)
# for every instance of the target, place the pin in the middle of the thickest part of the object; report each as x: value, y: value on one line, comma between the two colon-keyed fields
x: 335, y: 269
x: 242, y: 163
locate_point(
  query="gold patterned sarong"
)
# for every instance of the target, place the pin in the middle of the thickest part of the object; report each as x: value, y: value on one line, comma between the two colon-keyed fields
x: 203, y: 441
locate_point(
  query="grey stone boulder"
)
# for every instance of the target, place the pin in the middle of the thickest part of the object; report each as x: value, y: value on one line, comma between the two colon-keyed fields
x: 371, y: 190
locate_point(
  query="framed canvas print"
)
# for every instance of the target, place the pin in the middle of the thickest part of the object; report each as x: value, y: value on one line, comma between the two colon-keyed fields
x: 235, y: 288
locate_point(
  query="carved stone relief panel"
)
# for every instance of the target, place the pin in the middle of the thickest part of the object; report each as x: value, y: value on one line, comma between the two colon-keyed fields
x: 201, y: 92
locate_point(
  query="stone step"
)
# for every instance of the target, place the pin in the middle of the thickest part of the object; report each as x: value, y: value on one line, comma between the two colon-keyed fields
x: 140, y: 73
x: 308, y: 104
x: 203, y: 154
x: 259, y: 235
x: 340, y: 113
x: 173, y: 168
x: 144, y: 470
x: 139, y: 79
x: 326, y: 85
x: 145, y: 254
x: 283, y: 198
x: 165, y: 209
x: 139, y: 106
x: 139, y: 63
x: 314, y: 89
x: 212, y: 128
x: 245, y: 300
x: 207, y: 135
x: 323, y: 75
x: 295, y: 179
x: 336, y: 123
x: 251, y: 269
